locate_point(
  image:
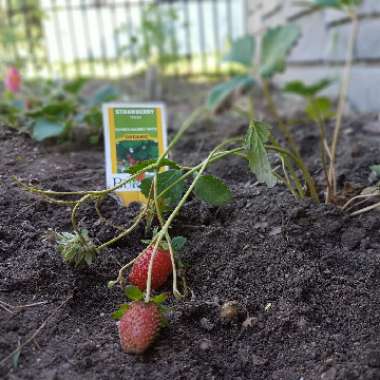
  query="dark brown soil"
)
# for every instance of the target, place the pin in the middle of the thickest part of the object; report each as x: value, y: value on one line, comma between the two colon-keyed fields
x: 307, y: 276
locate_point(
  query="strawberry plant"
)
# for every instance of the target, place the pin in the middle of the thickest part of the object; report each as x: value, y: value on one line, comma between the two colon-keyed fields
x: 166, y: 193
x: 350, y: 8
x: 319, y: 109
x: 275, y: 46
x: 53, y: 109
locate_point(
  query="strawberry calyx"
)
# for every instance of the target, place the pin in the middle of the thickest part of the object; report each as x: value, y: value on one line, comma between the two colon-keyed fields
x: 136, y: 295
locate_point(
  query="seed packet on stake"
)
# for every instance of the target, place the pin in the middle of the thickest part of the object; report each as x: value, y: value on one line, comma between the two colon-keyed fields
x: 132, y: 133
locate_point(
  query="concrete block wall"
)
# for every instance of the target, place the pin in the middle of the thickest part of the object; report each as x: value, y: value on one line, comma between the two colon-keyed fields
x: 322, y: 48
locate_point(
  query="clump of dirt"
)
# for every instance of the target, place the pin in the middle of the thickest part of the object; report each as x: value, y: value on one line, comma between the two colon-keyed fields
x: 305, y: 276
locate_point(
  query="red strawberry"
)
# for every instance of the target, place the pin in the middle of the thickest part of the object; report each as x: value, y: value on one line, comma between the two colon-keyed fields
x: 162, y: 268
x: 139, y: 326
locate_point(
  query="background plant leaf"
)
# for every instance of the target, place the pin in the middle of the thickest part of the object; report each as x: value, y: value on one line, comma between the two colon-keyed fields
x: 306, y: 90
x: 104, y: 94
x: 320, y: 109
x: 257, y: 135
x: 54, y: 109
x: 212, y: 190
x: 44, y: 129
x: 220, y: 93
x: 327, y: 3
x: 337, y: 4
x: 276, y: 45
x: 74, y: 86
x: 242, y: 51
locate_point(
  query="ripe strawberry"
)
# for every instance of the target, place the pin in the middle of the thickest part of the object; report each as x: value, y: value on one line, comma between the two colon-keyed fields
x: 139, y: 326
x: 162, y: 268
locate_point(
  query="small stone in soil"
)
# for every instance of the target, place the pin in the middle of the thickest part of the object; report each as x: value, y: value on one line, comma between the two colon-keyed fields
x: 230, y: 311
x: 258, y: 360
x: 373, y: 358
x: 206, y: 324
x: 329, y: 374
x: 205, y: 344
x: 352, y: 237
x: 249, y: 322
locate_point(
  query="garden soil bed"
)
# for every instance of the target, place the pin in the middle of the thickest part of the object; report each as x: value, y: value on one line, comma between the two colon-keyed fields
x: 307, y: 276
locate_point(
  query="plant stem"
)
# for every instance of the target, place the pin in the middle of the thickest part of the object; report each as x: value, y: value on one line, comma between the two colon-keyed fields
x: 125, y: 232
x: 176, y: 293
x: 289, y: 166
x: 94, y: 192
x: 168, y: 222
x: 185, y: 126
x: 366, y: 209
x: 331, y: 193
x: 252, y: 111
x: 298, y: 161
x: 102, y: 218
x: 290, y: 140
x: 195, y: 168
x: 322, y: 147
x: 281, y: 125
x: 74, y: 219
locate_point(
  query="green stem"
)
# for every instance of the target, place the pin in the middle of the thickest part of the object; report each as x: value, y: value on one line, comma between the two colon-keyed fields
x: 170, y: 219
x: 94, y: 192
x: 297, y: 183
x: 298, y: 161
x: 74, y: 218
x: 176, y: 292
x: 124, y: 233
x: 195, y: 168
x: 185, y: 126
x: 281, y: 125
x: 331, y: 194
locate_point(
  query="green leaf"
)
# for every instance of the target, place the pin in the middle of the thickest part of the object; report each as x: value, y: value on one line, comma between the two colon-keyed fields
x: 351, y: 3
x: 376, y: 170
x: 164, y: 180
x: 242, y: 51
x: 178, y: 242
x: 337, y: 4
x: 118, y: 314
x: 104, y: 94
x: 133, y: 293
x: 257, y: 135
x: 220, y: 93
x: 300, y: 88
x: 16, y: 356
x: 44, y: 129
x: 160, y: 298
x: 276, y: 45
x: 54, y: 109
x: 327, y: 3
x: 320, y: 109
x: 212, y: 190
x: 143, y: 164
x: 74, y: 86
